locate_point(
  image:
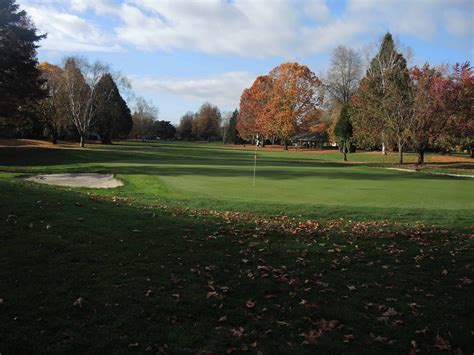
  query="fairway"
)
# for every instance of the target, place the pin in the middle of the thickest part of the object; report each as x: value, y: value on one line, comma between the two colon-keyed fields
x: 309, y: 185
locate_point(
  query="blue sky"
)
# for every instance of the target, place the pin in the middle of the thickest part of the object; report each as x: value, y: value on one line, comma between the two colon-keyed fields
x: 182, y: 53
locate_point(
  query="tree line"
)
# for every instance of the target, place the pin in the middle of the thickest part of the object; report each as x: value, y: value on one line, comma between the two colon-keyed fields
x: 72, y: 100
x: 209, y: 124
x: 391, y: 106
x: 80, y: 99
x: 386, y: 105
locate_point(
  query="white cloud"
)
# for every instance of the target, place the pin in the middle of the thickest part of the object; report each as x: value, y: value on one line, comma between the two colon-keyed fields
x: 261, y: 29
x: 457, y: 23
x: 67, y: 31
x: 420, y: 18
x: 319, y: 10
x: 100, y: 6
x: 248, y: 28
x: 240, y: 27
x: 222, y: 90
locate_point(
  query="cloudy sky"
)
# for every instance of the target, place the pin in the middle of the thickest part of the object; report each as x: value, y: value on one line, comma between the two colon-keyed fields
x: 181, y: 53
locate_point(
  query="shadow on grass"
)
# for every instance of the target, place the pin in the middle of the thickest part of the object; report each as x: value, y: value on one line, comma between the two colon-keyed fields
x: 80, y: 275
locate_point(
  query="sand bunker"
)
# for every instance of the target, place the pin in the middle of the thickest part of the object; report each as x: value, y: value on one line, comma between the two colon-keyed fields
x: 101, y: 181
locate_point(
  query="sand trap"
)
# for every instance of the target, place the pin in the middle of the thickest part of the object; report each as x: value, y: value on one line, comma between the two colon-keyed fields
x: 101, y: 181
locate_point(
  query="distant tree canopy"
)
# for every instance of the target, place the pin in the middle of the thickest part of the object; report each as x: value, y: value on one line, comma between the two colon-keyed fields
x: 144, y: 117
x: 280, y: 103
x: 185, y: 127
x: 344, y: 74
x: 20, y: 79
x: 207, y: 122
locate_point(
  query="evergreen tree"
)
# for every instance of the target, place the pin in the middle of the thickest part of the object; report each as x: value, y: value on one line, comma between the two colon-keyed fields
x: 113, y: 117
x: 19, y: 77
x: 343, y: 129
x: 165, y: 130
x: 384, y: 101
x: 232, y: 134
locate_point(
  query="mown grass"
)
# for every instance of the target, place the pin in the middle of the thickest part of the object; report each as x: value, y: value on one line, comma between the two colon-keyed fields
x: 308, y: 185
x: 133, y: 269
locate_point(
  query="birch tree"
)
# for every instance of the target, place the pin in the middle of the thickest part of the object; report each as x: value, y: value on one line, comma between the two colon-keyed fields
x: 344, y: 74
x: 144, y: 117
x: 80, y: 79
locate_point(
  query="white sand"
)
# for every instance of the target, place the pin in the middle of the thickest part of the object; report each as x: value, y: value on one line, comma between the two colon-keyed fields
x: 102, y: 181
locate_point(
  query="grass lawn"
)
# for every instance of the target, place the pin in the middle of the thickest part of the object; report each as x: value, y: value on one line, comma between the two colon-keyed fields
x: 158, y: 265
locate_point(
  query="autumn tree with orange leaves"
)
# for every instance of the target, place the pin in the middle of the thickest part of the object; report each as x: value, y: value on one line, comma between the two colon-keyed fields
x: 281, y: 103
x: 252, y: 105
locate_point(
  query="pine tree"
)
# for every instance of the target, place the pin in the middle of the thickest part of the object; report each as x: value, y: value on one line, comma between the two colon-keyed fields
x: 232, y: 134
x: 113, y: 117
x: 384, y: 100
x: 19, y: 77
x: 343, y: 129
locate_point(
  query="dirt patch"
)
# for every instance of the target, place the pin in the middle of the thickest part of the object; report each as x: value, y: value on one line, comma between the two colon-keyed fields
x: 24, y: 143
x: 38, y: 143
x: 100, y: 181
x: 35, y: 143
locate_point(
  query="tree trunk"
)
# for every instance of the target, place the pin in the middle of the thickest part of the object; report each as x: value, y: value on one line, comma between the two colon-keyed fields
x: 344, y: 151
x: 421, y: 156
x: 286, y: 145
x: 384, y: 151
x: 400, y: 154
x: 472, y: 152
x: 81, y: 142
x: 54, y: 137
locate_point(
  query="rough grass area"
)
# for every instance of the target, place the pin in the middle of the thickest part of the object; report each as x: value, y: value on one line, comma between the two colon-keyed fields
x: 187, y: 257
x: 78, y: 274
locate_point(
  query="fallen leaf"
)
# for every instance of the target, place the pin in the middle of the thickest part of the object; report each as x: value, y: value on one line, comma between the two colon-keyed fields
x: 442, y: 344
x: 347, y: 338
x: 237, y: 332
x: 250, y: 304
x: 78, y: 302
